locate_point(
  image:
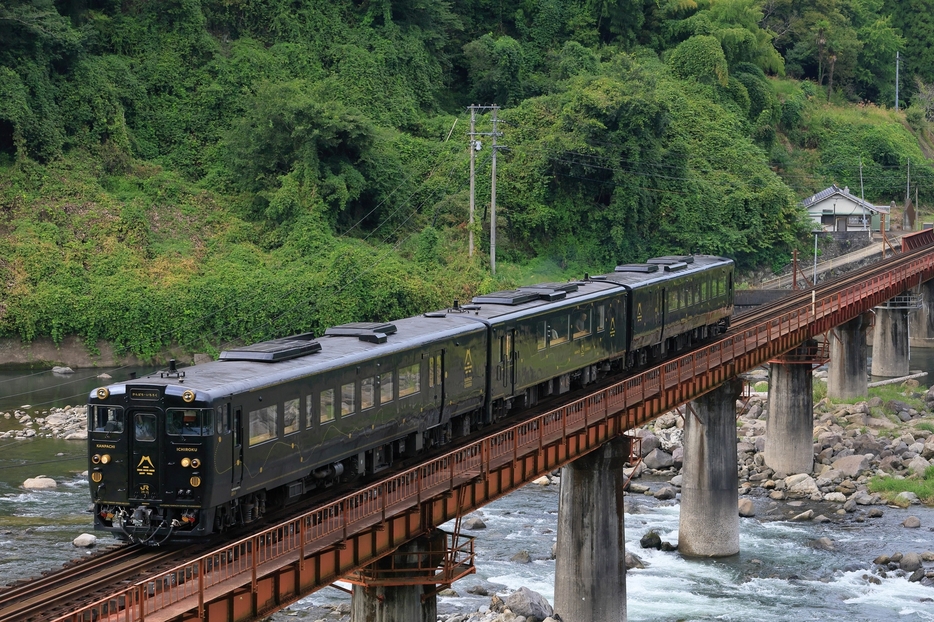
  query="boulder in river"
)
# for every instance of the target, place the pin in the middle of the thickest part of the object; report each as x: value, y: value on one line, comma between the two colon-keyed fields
x: 39, y: 483
x: 474, y: 523
x: 525, y: 602
x: 85, y: 540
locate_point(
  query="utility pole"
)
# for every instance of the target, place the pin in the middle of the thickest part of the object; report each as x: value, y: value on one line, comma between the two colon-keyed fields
x: 493, y: 201
x: 896, y: 81
x: 475, y: 146
x: 863, y: 197
x: 473, y: 149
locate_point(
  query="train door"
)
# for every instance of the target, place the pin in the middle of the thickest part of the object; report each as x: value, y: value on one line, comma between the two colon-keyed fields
x: 237, y: 457
x: 436, y: 380
x: 507, y: 360
x: 145, y: 450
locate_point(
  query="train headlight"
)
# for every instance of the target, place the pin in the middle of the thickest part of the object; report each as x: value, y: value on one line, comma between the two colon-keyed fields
x: 186, y: 462
x: 96, y: 458
x: 103, y: 393
x: 96, y: 477
x: 105, y: 459
x: 195, y: 463
x: 195, y: 481
x: 188, y: 397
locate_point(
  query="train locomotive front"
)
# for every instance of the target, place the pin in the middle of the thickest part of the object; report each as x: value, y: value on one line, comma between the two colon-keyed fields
x: 149, y: 446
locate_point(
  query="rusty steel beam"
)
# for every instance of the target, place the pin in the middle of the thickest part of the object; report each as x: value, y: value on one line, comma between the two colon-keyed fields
x: 273, y: 568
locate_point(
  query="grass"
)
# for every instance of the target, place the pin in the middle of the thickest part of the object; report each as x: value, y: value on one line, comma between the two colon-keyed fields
x: 925, y: 425
x: 920, y: 484
x: 886, y: 393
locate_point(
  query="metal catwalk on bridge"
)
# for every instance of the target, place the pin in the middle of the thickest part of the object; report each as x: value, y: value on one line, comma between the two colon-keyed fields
x: 273, y: 568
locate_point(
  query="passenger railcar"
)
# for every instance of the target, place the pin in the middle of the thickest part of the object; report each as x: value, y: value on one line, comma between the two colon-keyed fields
x: 187, y: 452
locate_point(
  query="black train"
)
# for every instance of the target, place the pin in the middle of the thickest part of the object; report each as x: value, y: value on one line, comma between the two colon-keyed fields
x: 189, y: 452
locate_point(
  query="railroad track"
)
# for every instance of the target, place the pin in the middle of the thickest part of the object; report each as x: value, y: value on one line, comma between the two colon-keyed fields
x: 41, y: 598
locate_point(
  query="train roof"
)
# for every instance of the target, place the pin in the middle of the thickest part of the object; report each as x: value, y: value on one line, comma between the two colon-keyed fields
x: 279, y: 360
x: 244, y: 369
x: 522, y: 301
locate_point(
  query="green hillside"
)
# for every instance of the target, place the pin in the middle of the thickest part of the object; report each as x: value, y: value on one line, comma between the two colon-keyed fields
x: 196, y: 172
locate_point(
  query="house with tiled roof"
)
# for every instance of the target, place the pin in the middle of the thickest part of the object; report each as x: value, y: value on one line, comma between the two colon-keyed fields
x: 836, y: 209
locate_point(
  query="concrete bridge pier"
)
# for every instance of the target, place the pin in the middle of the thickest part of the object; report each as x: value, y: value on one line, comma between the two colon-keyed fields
x: 709, y: 523
x: 921, y: 320
x: 398, y: 603
x: 847, y: 377
x: 789, y: 432
x: 890, y: 342
x: 590, y: 558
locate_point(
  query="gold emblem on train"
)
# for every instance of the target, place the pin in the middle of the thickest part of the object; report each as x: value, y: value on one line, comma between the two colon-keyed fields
x: 468, y: 370
x: 145, y: 466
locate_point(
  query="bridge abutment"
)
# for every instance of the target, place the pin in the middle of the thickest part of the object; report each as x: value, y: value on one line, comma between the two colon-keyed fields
x: 890, y: 342
x: 847, y: 375
x: 789, y: 432
x: 590, y: 559
x: 709, y: 522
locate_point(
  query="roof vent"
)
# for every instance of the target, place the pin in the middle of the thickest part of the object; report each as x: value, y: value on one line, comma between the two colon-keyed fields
x: 674, y: 267
x: 275, y: 349
x: 597, y: 277
x: 672, y: 259
x: 569, y: 287
x: 645, y: 268
x: 545, y: 293
x: 514, y: 297
x: 371, y: 332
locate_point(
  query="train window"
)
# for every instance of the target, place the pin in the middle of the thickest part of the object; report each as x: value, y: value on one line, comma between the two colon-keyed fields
x: 672, y: 300
x: 367, y: 393
x: 290, y: 416
x: 263, y: 424
x: 385, y: 388
x: 326, y: 413
x: 207, y: 422
x: 542, y: 332
x: 409, y: 380
x: 582, y: 325
x: 144, y: 426
x: 348, y: 407
x: 560, y: 329
x: 183, y: 421
x: 223, y: 418
x: 106, y: 419
x: 434, y: 370
x: 601, y: 318
x: 703, y: 291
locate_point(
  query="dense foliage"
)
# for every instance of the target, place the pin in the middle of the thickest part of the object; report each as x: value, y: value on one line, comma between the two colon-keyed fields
x: 197, y: 171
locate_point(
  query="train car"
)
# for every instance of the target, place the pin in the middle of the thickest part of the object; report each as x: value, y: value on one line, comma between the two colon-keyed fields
x: 188, y: 452
x: 193, y: 451
x: 674, y: 301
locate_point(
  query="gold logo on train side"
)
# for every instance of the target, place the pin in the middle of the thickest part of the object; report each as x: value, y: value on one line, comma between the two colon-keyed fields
x: 638, y: 312
x: 612, y: 327
x: 468, y: 370
x: 145, y: 466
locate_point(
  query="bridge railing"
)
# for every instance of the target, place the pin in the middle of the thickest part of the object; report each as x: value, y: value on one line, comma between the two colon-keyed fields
x: 690, y: 375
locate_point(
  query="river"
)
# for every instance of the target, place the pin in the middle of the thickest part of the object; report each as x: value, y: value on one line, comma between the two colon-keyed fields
x: 778, y: 574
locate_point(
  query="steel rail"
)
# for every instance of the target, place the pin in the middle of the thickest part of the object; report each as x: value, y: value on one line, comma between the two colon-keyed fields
x: 276, y: 566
